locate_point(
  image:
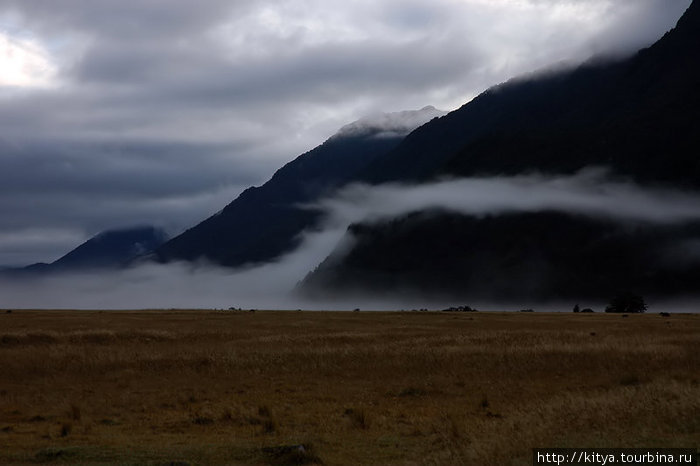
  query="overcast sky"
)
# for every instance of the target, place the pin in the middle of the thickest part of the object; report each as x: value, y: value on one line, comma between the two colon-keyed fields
x: 114, y: 113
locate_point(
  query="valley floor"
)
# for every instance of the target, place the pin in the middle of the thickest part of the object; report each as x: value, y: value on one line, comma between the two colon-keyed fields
x: 404, y: 388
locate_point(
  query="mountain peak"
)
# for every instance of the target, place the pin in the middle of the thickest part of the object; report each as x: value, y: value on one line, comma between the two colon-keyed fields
x: 390, y: 124
x: 113, y: 247
x: 687, y: 31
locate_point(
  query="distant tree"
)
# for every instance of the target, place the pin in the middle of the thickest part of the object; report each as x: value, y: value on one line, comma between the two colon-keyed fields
x: 627, y: 303
x: 577, y: 309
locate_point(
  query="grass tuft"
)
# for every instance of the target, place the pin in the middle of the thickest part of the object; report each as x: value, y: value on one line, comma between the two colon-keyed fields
x: 66, y: 429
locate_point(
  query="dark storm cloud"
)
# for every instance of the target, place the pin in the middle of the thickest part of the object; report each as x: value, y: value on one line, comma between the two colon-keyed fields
x: 157, y: 111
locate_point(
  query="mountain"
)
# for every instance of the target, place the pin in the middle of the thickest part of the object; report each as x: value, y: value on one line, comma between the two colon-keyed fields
x: 109, y: 249
x: 640, y: 117
x: 112, y: 248
x: 265, y: 222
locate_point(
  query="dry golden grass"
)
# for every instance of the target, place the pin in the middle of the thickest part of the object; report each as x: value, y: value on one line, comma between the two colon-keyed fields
x: 206, y: 387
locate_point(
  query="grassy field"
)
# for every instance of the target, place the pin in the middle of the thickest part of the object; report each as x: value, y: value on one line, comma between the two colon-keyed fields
x: 410, y: 388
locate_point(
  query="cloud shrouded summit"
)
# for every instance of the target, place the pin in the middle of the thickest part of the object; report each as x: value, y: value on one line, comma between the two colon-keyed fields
x: 121, y: 113
x: 390, y: 124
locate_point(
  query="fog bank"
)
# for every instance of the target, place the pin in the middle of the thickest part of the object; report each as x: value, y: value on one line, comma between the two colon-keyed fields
x: 271, y: 285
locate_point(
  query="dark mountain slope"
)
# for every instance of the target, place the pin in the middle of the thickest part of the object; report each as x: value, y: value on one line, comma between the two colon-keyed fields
x: 264, y: 222
x: 639, y: 116
x: 541, y: 256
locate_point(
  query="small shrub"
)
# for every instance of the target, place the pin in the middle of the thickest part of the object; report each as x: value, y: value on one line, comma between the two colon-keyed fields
x: 66, y: 429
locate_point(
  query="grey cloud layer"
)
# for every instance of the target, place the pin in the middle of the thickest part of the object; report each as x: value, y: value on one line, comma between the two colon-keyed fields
x: 173, y: 103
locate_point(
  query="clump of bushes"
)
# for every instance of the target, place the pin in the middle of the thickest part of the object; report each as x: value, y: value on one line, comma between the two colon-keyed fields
x: 460, y: 309
x: 627, y: 303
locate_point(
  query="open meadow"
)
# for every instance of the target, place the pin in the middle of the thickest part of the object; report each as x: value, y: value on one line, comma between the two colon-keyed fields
x: 372, y: 388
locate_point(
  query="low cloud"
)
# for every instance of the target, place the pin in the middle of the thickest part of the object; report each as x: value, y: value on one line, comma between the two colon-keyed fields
x: 588, y: 192
x: 272, y: 285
